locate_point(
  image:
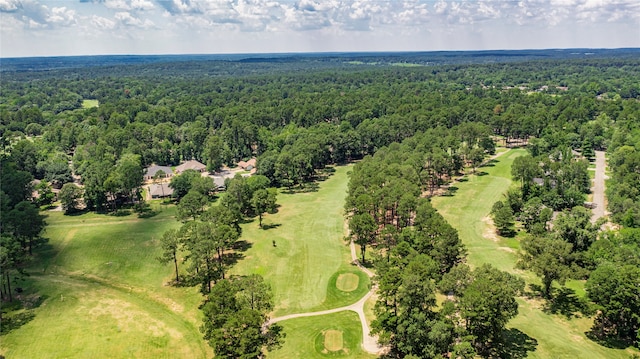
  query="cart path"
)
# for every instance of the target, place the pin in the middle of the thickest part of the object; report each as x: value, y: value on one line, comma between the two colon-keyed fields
x: 369, y: 342
x: 598, y: 188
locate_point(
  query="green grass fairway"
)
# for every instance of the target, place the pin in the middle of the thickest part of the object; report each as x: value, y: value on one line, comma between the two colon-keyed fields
x: 310, y: 251
x: 467, y: 210
x: 105, y: 295
x: 306, y: 337
x: 90, y: 103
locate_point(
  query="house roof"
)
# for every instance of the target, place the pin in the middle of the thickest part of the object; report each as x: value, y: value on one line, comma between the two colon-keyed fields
x: 219, y: 181
x: 251, y: 163
x: 158, y: 190
x: 152, y: 170
x: 190, y: 165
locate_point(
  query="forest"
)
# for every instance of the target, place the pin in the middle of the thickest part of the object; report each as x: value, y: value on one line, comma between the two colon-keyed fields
x: 79, y: 136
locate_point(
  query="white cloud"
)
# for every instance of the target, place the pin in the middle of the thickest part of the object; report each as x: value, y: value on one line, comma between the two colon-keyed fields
x: 102, y: 23
x: 142, y: 5
x: 305, y: 25
x: 9, y: 5
x: 117, y: 4
x: 34, y: 24
x: 62, y: 16
x: 127, y: 19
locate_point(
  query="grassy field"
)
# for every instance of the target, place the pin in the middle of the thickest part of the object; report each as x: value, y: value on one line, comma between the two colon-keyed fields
x: 552, y: 335
x: 306, y: 267
x: 98, y: 288
x: 306, y: 337
x: 90, y: 103
x: 310, y: 252
x: 102, y: 291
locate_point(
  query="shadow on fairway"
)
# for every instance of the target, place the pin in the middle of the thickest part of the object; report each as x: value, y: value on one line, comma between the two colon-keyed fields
x: 241, y: 246
x: 564, y: 301
x: 451, y: 191
x: 599, y: 336
x: 306, y: 188
x: 23, y: 308
x: 267, y: 226
x: 516, y: 344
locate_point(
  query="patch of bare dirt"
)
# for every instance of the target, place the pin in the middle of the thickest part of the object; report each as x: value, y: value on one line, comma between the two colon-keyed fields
x: 490, y: 229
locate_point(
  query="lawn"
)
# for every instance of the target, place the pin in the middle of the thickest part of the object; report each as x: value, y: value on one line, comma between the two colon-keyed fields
x: 553, y: 335
x: 102, y: 291
x: 309, y: 253
x: 312, y: 337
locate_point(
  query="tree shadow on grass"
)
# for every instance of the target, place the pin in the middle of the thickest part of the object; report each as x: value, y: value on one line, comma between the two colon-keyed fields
x: 600, y: 335
x: 516, y: 344
x: 15, y: 321
x: 20, y: 312
x: 450, y: 191
x: 76, y: 212
x: 241, y: 246
x: 564, y: 301
x: 534, y: 292
x: 481, y: 173
x: 267, y: 226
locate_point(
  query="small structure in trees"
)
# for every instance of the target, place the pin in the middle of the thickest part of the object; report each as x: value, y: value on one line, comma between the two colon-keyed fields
x: 151, y: 171
x: 160, y: 190
x: 248, y: 165
x: 191, y: 165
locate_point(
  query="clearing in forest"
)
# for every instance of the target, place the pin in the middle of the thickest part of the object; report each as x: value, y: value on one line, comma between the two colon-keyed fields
x: 90, y: 103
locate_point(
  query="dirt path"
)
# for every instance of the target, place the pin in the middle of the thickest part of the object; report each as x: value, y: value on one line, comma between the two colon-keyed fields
x: 598, y: 188
x: 369, y: 342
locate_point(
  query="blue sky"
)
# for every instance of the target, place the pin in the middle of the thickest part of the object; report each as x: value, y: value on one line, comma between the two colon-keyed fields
x: 90, y: 27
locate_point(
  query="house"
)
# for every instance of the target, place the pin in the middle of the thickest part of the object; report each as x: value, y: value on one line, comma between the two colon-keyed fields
x: 191, y: 165
x: 248, y: 165
x: 218, y: 181
x: 161, y: 190
x: 151, y: 171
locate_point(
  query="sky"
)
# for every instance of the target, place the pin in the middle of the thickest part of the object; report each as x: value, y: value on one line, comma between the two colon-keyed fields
x: 98, y: 27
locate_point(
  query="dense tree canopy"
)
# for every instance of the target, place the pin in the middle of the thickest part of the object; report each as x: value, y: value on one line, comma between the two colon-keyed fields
x: 412, y: 129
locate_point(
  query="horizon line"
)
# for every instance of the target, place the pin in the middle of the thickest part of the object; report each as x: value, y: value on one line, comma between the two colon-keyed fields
x: 299, y: 53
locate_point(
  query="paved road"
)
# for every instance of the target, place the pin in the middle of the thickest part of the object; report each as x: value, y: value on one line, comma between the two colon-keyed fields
x: 598, y: 188
x: 369, y: 342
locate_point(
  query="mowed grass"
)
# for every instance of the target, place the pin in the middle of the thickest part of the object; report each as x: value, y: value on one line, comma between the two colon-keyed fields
x: 306, y: 337
x: 105, y: 294
x: 309, y: 252
x: 467, y: 211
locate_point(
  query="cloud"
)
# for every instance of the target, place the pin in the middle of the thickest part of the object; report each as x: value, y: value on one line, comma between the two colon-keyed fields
x: 142, y: 5
x: 176, y: 7
x: 127, y: 19
x: 284, y: 25
x: 62, y: 16
x: 102, y: 23
x: 9, y: 5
